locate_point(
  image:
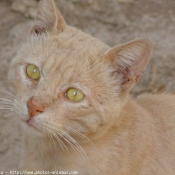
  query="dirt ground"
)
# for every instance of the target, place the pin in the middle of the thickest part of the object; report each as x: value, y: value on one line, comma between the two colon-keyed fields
x: 112, y: 21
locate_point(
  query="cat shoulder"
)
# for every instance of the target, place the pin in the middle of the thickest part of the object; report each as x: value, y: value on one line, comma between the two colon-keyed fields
x: 161, y: 103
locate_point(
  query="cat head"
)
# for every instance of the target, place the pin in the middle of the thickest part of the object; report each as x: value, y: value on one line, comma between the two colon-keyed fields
x: 66, y: 81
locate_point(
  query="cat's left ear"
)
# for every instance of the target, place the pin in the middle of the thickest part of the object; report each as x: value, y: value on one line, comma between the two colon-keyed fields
x: 129, y: 60
x: 48, y: 18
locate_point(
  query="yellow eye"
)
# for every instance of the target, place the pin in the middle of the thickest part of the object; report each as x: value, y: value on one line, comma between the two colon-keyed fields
x: 32, y: 72
x: 74, y: 95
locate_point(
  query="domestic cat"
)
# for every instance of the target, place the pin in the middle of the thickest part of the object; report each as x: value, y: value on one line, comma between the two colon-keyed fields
x: 72, y: 100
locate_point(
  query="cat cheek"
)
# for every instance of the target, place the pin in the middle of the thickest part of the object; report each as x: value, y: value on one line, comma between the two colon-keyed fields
x: 82, y: 104
x: 21, y: 110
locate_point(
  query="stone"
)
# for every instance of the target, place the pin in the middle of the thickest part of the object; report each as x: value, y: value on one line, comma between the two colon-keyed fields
x: 18, y: 6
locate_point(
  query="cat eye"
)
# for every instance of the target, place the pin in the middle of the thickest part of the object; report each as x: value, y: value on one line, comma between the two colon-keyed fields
x: 32, y: 72
x: 74, y: 95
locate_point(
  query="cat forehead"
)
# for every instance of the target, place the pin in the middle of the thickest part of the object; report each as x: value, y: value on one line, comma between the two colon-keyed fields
x: 71, y: 42
x: 70, y: 56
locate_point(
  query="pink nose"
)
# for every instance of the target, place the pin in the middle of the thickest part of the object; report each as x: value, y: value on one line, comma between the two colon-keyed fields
x: 34, y: 107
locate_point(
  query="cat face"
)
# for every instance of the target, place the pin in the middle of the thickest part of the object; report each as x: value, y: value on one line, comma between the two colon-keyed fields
x: 70, y: 60
x: 67, y: 82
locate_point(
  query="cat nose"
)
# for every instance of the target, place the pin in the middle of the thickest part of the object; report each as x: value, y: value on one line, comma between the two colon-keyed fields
x: 34, y: 107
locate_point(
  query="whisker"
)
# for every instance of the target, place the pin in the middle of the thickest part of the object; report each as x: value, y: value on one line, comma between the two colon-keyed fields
x: 6, y: 91
x: 52, y: 138
x: 6, y: 103
x: 71, y: 141
x: 61, y: 143
x: 6, y: 108
x: 5, y: 116
x: 2, y: 90
x: 75, y: 143
x: 3, y: 99
x: 71, y: 145
x: 8, y: 115
x: 81, y: 135
x: 58, y: 140
x: 56, y: 137
x: 84, y: 137
x: 49, y: 136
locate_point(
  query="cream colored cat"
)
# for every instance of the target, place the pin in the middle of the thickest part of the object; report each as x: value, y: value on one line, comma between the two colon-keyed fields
x: 72, y: 101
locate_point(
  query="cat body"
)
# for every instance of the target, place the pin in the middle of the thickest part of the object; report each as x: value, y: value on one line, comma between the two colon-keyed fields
x: 72, y: 101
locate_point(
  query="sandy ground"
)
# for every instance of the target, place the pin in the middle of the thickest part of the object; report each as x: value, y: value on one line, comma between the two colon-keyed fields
x: 114, y: 22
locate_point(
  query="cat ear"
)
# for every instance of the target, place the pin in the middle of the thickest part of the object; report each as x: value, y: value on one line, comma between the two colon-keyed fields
x: 129, y: 60
x: 48, y: 18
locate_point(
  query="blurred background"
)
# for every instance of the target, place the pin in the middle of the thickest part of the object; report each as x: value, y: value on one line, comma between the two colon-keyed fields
x: 112, y: 21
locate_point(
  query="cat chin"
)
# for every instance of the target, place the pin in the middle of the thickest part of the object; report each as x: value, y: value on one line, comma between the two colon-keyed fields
x: 32, y: 130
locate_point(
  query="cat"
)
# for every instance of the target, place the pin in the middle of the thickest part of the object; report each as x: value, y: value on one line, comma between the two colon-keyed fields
x: 72, y: 100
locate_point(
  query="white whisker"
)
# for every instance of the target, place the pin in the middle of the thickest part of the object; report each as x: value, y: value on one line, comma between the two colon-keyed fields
x: 6, y: 116
x: 75, y: 143
x: 2, y: 90
x: 58, y: 139
x: 3, y: 99
x: 6, y: 103
x: 61, y: 143
x: 81, y: 135
x: 71, y: 141
x: 6, y: 108
x: 71, y: 145
x: 52, y: 138
x: 2, y: 103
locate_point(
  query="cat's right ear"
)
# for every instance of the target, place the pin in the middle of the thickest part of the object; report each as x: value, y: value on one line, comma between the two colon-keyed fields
x: 48, y: 19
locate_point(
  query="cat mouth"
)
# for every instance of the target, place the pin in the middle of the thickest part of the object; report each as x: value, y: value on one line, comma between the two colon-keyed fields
x: 30, y: 125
